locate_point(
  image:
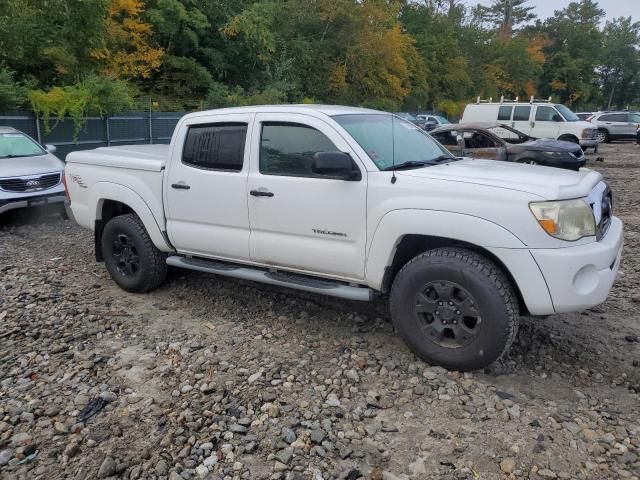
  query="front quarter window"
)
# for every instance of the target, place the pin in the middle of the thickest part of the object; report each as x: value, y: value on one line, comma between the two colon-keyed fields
x: 568, y: 115
x: 14, y: 145
x: 390, y: 141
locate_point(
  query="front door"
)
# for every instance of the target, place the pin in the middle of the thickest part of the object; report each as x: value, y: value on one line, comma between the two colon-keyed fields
x: 206, y: 188
x: 545, y: 124
x: 299, y: 219
x: 480, y: 145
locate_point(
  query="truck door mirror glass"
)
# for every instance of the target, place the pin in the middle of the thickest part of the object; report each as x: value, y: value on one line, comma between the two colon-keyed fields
x: 335, y: 164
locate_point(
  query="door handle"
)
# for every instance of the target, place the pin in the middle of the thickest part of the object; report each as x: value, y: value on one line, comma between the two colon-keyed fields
x: 261, y: 193
x: 180, y: 186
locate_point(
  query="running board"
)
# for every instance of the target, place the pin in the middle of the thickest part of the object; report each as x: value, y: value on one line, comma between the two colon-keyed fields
x: 280, y: 279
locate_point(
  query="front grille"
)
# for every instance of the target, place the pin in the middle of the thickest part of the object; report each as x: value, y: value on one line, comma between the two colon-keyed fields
x: 30, y: 184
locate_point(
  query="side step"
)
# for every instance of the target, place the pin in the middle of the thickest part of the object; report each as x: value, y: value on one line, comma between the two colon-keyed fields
x: 281, y: 279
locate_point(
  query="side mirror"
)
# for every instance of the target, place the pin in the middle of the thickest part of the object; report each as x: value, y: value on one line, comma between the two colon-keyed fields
x: 50, y: 148
x: 337, y: 165
x: 557, y: 118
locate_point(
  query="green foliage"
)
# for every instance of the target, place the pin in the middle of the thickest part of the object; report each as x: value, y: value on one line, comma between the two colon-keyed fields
x: 93, y: 96
x: 389, y: 54
x: 12, y: 94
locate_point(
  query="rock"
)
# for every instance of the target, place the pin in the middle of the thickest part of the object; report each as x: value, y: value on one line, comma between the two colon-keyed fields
x: 108, y: 468
x: 546, y: 473
x: 5, y: 456
x: 202, y: 471
x: 255, y: 377
x: 20, y: 439
x: 108, y: 396
x: 288, y: 435
x: 332, y: 400
x: 235, y: 428
x: 162, y: 468
x: 508, y: 465
x: 317, y: 435
x: 352, y: 375
x: 285, y: 455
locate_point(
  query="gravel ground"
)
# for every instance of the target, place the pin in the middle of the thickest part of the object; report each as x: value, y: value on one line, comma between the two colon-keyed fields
x: 213, y: 378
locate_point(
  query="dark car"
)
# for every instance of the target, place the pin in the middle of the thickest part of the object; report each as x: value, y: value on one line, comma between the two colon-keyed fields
x: 501, y: 142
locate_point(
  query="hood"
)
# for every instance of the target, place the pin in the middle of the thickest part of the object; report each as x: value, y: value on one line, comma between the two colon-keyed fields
x: 25, y: 166
x: 549, y: 145
x: 545, y: 182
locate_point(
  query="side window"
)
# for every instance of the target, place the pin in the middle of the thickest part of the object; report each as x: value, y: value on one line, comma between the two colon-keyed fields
x: 478, y: 140
x: 634, y: 118
x: 288, y: 149
x: 521, y: 113
x: 446, y: 138
x: 545, y: 114
x: 215, y: 146
x: 504, y: 113
x: 613, y: 118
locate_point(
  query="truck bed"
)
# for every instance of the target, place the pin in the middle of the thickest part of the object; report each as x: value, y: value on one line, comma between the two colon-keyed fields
x: 134, y: 157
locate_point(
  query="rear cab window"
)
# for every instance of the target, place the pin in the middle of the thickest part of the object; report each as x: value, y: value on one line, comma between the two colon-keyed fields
x: 215, y: 146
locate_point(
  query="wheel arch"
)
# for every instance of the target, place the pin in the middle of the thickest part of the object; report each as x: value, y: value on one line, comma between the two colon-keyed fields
x: 569, y: 137
x: 110, y: 200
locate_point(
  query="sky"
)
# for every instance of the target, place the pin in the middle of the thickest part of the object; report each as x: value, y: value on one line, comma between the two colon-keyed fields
x: 613, y: 8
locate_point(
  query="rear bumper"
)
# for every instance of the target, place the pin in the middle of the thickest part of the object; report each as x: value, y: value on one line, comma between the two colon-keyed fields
x: 56, y: 196
x: 581, y: 277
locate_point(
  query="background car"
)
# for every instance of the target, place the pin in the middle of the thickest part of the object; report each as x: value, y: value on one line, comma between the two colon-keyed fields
x: 501, y: 142
x: 432, y: 121
x: 584, y: 115
x: 411, y: 118
x: 618, y: 125
x: 29, y: 173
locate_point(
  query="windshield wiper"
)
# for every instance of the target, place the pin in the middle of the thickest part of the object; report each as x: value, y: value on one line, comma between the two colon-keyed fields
x: 419, y: 163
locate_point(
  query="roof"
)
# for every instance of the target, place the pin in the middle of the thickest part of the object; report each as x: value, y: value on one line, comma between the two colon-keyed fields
x: 467, y: 126
x: 289, y: 108
x: 8, y: 130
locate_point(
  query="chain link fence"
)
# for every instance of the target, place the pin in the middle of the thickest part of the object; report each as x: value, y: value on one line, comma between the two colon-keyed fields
x: 135, y: 127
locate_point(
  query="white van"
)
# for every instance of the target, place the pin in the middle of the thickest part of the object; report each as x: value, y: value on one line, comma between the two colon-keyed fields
x: 539, y: 119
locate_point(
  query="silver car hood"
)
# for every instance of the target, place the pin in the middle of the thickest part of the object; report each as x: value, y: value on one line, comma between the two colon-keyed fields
x: 28, y: 166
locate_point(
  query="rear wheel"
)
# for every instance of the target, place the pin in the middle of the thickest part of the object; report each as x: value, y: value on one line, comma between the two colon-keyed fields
x: 130, y: 256
x: 454, y: 308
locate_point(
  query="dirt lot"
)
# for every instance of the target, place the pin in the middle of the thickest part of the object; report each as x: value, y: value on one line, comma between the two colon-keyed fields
x: 213, y: 378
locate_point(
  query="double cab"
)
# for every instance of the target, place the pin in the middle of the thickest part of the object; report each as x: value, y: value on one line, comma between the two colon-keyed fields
x: 358, y: 204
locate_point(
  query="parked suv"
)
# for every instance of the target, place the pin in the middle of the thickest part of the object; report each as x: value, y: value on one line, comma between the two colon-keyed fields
x: 29, y: 173
x: 357, y: 204
x: 535, y: 118
x: 432, y: 121
x: 616, y: 125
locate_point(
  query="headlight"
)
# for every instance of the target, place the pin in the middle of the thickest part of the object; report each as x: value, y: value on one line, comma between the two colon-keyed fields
x: 555, y: 154
x: 588, y: 133
x: 565, y: 219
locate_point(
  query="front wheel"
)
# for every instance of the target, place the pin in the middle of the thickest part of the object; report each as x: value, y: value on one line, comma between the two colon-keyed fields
x: 131, y: 258
x: 602, y: 136
x: 454, y: 308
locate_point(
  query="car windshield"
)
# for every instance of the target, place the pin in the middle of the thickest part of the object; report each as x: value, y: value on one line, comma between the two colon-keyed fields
x: 442, y: 120
x: 568, y: 115
x: 390, y: 141
x: 18, y: 145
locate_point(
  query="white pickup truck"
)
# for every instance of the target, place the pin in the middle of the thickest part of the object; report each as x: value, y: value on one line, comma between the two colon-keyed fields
x: 357, y: 204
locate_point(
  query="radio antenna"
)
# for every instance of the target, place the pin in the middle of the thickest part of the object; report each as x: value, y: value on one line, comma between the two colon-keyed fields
x: 393, y: 150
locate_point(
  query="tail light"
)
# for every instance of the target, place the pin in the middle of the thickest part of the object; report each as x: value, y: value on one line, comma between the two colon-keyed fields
x: 66, y: 188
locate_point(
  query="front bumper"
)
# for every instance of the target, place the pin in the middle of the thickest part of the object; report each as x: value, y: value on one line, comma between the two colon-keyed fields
x: 12, y: 203
x: 581, y: 277
x: 589, y: 142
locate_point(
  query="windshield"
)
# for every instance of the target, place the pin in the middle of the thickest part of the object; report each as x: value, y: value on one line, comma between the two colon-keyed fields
x: 18, y: 145
x: 568, y: 115
x: 407, y: 143
x: 442, y: 120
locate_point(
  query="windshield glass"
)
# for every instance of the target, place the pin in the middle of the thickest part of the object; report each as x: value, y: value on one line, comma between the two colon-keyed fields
x: 18, y: 145
x: 568, y: 115
x: 384, y: 137
x: 442, y: 120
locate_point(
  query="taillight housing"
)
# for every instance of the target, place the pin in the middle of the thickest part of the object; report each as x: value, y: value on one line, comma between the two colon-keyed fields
x: 66, y: 188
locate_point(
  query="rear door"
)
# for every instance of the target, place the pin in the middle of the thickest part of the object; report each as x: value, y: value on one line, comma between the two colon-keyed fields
x: 521, y: 119
x: 206, y: 187
x: 301, y: 220
x: 544, y: 125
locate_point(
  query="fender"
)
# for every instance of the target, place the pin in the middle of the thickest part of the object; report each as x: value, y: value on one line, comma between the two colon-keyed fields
x: 102, y: 191
x: 457, y: 226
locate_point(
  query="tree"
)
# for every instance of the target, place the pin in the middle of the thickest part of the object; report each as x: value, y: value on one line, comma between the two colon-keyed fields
x: 506, y: 14
x: 620, y: 68
x: 126, y: 51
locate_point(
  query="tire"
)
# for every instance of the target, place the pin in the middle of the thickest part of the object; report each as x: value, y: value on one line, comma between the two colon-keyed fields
x: 603, y: 136
x: 476, y: 287
x: 529, y: 161
x: 131, y: 258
